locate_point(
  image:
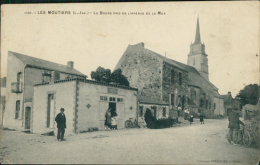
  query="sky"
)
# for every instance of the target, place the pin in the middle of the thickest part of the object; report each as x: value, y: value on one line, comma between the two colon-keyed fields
x: 229, y: 30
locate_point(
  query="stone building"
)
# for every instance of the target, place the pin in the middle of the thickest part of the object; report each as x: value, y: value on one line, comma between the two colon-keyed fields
x: 170, y: 82
x: 85, y: 103
x: 231, y: 103
x: 23, y: 72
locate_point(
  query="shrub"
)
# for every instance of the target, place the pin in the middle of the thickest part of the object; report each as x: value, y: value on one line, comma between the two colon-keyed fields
x: 161, y: 123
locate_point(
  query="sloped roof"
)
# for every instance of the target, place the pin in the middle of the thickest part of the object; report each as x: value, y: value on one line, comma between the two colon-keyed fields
x: 194, y: 77
x: 43, y: 64
x: 149, y: 100
x: 165, y: 59
x: 225, y: 97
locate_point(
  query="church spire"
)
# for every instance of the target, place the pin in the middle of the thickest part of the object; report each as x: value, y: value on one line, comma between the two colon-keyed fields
x: 197, y: 37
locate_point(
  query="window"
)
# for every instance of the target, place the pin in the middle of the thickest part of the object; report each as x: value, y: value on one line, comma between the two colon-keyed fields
x: 194, y: 62
x: 201, y: 102
x: 46, y: 76
x: 180, y: 78
x: 209, y: 104
x: 103, y: 98
x: 164, y: 112
x: 17, y: 109
x: 206, y: 104
x: 19, y: 81
x: 56, y: 76
x: 172, y: 99
x: 112, y: 99
x: 68, y: 77
x: 214, y: 106
x: 141, y: 112
x: 172, y: 76
x: 194, y: 97
x: 120, y: 100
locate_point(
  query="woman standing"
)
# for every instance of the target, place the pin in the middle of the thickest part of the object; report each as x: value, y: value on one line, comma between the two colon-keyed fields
x: 108, y: 119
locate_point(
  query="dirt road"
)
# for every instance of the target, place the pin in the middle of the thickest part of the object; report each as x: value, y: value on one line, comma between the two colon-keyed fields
x: 185, y: 144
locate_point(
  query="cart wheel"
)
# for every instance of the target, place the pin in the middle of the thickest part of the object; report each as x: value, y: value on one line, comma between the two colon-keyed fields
x: 246, y: 139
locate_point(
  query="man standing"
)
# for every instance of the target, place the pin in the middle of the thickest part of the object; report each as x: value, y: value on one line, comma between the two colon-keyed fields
x: 61, y: 124
x: 234, y: 127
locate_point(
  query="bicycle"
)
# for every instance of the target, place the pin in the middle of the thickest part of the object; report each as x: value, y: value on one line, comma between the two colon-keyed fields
x: 131, y: 124
x: 246, y: 137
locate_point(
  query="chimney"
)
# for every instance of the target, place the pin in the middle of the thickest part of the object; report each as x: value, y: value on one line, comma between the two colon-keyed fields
x: 70, y: 64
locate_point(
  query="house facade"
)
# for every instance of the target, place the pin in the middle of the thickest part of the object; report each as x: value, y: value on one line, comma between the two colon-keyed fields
x: 23, y: 72
x: 231, y: 103
x: 85, y: 103
x: 170, y: 82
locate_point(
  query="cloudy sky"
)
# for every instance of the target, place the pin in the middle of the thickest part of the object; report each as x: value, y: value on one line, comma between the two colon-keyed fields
x: 229, y: 30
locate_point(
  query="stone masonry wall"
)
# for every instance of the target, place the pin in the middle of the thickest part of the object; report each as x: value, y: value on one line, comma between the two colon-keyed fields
x: 169, y: 88
x: 143, y: 70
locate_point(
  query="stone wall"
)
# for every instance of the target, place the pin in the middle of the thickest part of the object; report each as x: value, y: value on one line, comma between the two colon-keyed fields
x: 175, y: 88
x: 143, y: 70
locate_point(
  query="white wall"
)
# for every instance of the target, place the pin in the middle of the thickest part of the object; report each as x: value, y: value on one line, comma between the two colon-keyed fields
x: 14, y: 66
x: 95, y: 115
x: 64, y: 97
x: 220, y: 110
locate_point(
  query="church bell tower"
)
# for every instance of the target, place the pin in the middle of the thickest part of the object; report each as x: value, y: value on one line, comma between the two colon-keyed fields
x: 197, y: 57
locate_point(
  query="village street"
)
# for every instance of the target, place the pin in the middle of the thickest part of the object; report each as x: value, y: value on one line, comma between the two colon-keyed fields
x: 185, y: 144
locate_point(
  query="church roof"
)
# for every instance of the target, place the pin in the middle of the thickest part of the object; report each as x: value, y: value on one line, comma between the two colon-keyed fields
x: 43, y: 64
x: 197, y: 37
x: 194, y: 77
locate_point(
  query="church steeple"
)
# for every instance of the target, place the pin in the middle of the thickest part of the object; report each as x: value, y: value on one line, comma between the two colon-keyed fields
x: 197, y: 57
x: 197, y: 37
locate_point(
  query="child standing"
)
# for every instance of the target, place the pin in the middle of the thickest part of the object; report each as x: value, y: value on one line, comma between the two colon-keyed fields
x: 201, y: 119
x: 113, y: 123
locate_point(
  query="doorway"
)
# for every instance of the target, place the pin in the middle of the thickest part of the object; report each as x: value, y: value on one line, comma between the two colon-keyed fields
x: 27, y: 117
x: 50, y: 111
x: 112, y: 105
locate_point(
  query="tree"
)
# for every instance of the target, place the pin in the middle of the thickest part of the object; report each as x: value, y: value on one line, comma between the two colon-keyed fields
x: 118, y: 78
x: 249, y: 95
x: 101, y: 74
x: 104, y: 75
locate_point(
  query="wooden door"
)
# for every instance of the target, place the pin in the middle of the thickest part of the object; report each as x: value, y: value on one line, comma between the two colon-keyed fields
x: 27, y: 117
x: 50, y: 111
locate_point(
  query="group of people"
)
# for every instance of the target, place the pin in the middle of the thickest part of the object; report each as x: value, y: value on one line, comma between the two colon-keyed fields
x: 111, y: 120
x: 201, y: 119
x: 111, y: 123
